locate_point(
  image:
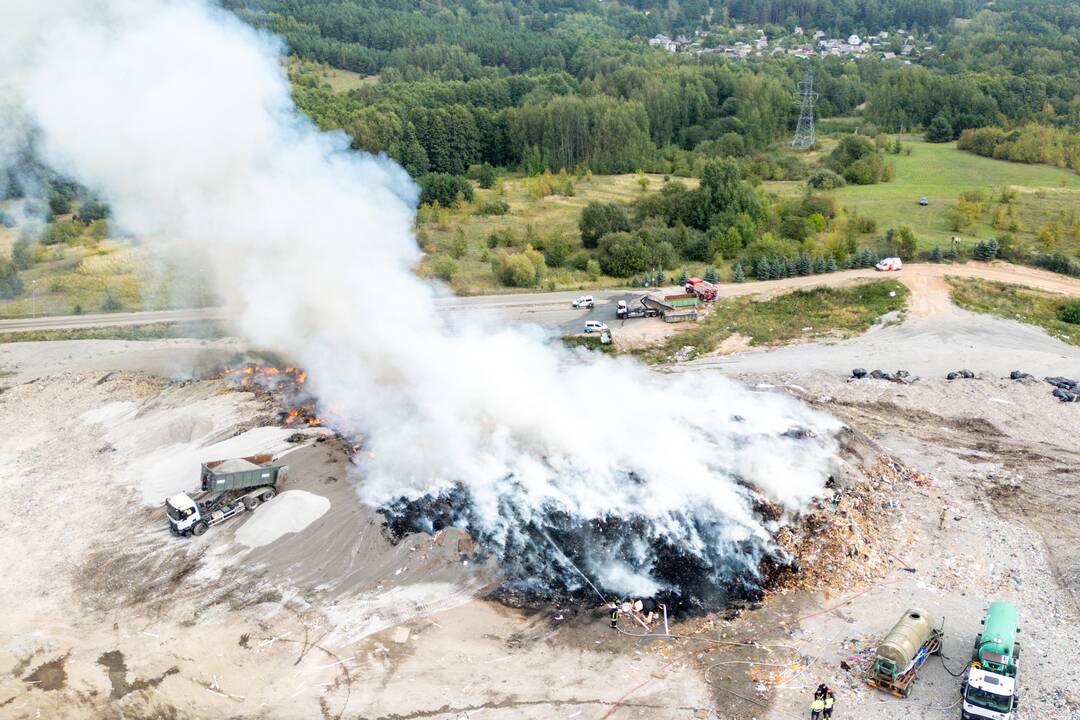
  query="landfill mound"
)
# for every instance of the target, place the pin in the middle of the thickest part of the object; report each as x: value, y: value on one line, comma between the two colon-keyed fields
x: 839, y: 539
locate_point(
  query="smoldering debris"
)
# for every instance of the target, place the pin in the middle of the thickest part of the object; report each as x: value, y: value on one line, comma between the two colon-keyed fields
x: 540, y: 557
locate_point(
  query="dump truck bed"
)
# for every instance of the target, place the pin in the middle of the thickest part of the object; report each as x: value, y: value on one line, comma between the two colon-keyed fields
x: 241, y: 473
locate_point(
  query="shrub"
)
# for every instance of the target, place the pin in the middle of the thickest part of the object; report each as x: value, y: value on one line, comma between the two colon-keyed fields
x: 61, y: 232
x: 1070, y: 312
x: 940, y: 130
x: 493, y: 207
x: 22, y: 253
x: 523, y: 269
x: 485, y: 176
x: 10, y: 282
x: 599, y: 219
x: 504, y: 237
x: 92, y: 210
x: 902, y: 242
x: 444, y: 268
x: 826, y: 180
x: 111, y: 303
x: 445, y: 190
x: 458, y: 246
x: 622, y: 254
x: 985, y: 251
x: 557, y: 252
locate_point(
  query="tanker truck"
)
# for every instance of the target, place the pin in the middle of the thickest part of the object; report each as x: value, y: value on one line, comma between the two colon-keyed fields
x: 903, y: 652
x: 228, y: 488
x: 990, y: 688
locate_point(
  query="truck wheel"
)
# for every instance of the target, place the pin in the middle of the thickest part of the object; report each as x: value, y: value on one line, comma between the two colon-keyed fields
x: 268, y: 495
x: 199, y: 529
x: 251, y: 502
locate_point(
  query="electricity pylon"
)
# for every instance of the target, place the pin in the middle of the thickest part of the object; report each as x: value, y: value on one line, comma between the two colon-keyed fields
x: 804, y: 131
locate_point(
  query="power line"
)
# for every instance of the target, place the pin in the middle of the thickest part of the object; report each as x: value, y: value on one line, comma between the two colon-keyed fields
x: 804, y: 131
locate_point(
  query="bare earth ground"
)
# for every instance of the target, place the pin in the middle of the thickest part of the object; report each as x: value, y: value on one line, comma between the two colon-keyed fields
x: 108, y: 616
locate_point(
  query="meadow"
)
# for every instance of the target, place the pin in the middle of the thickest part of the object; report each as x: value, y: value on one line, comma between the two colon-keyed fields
x: 940, y: 172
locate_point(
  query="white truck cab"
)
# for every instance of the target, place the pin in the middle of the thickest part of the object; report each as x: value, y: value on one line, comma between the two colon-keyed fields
x: 988, y: 695
x: 183, y: 514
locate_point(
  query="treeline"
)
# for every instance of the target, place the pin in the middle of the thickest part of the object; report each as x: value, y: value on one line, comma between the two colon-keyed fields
x: 1017, y: 61
x: 632, y: 118
x: 844, y: 17
x: 1032, y: 143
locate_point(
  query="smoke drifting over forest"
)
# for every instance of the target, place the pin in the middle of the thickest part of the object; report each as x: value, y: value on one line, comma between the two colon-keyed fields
x: 180, y: 117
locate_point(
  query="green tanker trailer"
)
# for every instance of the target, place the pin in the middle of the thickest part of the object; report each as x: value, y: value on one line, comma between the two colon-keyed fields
x: 990, y: 689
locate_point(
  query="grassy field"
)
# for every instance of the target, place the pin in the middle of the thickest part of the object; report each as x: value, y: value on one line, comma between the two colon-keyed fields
x: 112, y: 275
x: 154, y: 331
x: 799, y: 315
x: 1014, y: 302
x: 338, y: 80
x: 941, y: 172
x: 548, y: 216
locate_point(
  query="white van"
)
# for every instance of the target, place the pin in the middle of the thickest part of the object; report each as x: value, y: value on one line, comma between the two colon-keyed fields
x: 594, y: 326
x: 892, y: 264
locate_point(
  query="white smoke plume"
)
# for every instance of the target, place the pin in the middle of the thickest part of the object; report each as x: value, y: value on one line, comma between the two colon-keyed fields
x: 180, y: 117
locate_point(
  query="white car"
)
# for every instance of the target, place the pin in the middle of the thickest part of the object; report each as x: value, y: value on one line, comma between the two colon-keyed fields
x: 892, y: 264
x: 595, y: 326
x: 585, y: 301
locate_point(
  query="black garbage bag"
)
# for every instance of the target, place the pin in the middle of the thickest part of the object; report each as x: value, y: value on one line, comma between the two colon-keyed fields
x: 858, y: 373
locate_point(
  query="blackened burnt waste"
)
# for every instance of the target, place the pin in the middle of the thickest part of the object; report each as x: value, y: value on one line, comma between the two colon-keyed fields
x: 625, y: 537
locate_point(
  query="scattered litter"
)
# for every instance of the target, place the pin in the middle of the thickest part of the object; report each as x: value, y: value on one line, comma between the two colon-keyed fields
x: 1065, y: 389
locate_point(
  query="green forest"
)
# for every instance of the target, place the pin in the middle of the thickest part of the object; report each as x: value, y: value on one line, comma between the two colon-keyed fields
x: 658, y: 145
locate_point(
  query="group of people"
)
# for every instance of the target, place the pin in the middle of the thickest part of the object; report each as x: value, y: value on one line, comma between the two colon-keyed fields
x: 823, y: 702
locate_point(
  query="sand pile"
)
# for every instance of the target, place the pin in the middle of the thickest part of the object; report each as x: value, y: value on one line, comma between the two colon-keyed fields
x: 289, y: 512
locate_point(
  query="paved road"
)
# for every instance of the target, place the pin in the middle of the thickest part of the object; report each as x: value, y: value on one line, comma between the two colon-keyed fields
x: 548, y: 309
x: 926, y: 281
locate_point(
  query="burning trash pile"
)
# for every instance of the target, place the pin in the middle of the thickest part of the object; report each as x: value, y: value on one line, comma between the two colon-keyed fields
x: 286, y: 385
x: 285, y: 388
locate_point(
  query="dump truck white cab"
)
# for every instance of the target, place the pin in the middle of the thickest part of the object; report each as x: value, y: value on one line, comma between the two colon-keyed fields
x: 183, y: 513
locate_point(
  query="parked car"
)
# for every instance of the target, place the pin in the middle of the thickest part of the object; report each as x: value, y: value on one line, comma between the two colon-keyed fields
x: 595, y: 326
x: 891, y: 264
x: 585, y: 301
x: 924, y: 200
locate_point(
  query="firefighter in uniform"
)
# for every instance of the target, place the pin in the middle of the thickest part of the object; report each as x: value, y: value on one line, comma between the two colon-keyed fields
x: 614, y: 614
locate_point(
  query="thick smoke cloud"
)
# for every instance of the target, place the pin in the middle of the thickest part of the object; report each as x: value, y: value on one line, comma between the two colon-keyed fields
x: 180, y: 117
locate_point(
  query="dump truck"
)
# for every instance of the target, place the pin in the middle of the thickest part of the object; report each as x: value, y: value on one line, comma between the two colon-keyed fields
x: 625, y: 311
x: 990, y: 688
x: 227, y: 488
x: 903, y: 653
x: 673, y: 308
